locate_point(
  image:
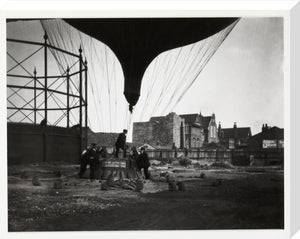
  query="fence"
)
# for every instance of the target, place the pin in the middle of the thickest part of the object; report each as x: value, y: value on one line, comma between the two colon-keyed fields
x: 236, y: 157
x: 25, y: 144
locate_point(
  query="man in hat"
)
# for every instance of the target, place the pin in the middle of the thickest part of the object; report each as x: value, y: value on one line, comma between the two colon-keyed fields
x: 121, y: 143
x: 90, y: 157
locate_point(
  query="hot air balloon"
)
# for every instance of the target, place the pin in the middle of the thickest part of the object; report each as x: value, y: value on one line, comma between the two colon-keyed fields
x: 136, y: 42
x: 139, y: 57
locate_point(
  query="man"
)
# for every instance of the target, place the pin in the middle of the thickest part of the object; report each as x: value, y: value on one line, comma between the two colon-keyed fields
x: 90, y: 157
x: 120, y: 143
x: 144, y: 163
x: 103, y: 152
x: 94, y: 162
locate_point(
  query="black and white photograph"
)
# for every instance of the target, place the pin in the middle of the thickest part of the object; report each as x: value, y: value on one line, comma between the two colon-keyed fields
x: 145, y: 123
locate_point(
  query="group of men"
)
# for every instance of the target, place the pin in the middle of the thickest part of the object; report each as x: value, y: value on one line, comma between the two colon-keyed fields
x: 92, y: 155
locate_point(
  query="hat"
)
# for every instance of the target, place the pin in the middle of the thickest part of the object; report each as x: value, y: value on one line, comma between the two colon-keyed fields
x: 124, y: 130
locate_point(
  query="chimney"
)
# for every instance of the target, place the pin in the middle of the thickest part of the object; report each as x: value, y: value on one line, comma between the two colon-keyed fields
x: 265, y: 127
x: 234, y: 125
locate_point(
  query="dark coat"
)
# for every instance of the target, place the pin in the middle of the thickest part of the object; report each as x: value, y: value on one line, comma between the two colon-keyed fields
x: 121, y: 140
x: 143, y: 161
x: 90, y: 156
x: 134, y: 160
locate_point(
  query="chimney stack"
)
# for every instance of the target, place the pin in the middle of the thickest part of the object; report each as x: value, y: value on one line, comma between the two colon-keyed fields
x: 265, y: 127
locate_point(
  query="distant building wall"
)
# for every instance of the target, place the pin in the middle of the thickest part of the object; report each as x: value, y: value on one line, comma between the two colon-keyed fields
x: 197, y: 137
x: 142, y: 133
x: 272, y: 134
x: 162, y: 131
x: 176, y: 129
x: 159, y: 130
x: 102, y: 139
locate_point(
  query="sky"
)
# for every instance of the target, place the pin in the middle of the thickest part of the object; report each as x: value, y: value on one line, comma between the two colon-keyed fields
x: 242, y: 82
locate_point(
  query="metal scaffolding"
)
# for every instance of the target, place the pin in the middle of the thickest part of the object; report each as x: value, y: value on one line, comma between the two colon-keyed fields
x: 42, y: 85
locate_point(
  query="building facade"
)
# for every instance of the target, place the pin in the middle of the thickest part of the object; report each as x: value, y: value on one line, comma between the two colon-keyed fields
x: 235, y: 137
x: 161, y: 130
x: 269, y: 138
x: 180, y: 131
x: 193, y: 132
x: 208, y: 123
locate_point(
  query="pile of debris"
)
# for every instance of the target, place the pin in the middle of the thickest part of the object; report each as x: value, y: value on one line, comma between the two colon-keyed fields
x: 130, y: 184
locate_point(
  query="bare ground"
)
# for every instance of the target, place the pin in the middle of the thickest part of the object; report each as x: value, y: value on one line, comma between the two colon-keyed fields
x: 248, y: 198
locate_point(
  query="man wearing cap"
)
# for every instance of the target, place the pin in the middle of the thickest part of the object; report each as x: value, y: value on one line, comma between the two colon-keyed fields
x: 120, y: 143
x: 90, y: 157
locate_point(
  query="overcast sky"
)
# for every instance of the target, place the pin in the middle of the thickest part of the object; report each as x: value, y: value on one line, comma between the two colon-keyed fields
x: 243, y: 81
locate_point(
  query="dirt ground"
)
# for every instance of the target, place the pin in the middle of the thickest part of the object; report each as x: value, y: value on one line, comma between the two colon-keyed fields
x: 245, y: 198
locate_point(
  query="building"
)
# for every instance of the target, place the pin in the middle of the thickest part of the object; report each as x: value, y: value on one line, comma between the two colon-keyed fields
x: 199, y: 130
x: 180, y: 131
x: 235, y: 137
x: 269, y: 138
x: 162, y: 130
x: 208, y: 123
x: 267, y: 147
x: 193, y: 131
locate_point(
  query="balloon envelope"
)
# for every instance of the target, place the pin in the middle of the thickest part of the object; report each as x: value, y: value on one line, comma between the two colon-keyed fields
x: 137, y: 41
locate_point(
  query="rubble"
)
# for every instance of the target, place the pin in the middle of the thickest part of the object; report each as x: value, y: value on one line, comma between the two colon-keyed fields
x: 36, y: 181
x: 58, y: 184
